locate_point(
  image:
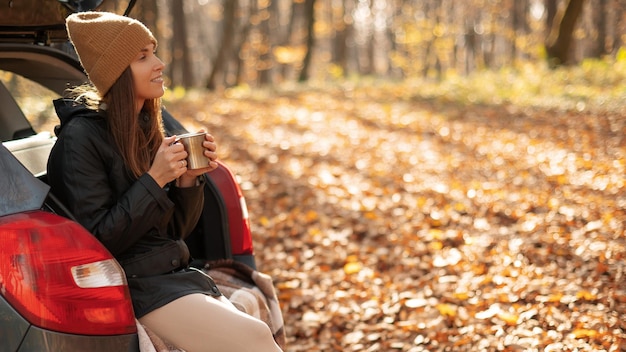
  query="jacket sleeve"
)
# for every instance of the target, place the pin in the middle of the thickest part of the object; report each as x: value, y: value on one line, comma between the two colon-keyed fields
x: 187, y: 210
x: 80, y: 172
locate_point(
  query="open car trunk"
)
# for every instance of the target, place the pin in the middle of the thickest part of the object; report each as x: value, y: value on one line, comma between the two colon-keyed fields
x: 42, y: 21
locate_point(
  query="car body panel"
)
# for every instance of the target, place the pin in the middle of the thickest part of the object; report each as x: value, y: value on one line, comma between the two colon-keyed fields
x: 51, y: 341
x: 13, y: 327
x: 17, y: 335
x: 21, y: 190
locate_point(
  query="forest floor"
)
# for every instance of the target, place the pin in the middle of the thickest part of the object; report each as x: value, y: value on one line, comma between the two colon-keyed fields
x: 392, y: 220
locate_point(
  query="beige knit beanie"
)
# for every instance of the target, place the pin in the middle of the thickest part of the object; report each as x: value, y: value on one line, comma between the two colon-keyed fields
x: 106, y: 44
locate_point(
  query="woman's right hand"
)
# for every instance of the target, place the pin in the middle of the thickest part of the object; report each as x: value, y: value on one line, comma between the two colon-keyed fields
x: 169, y: 162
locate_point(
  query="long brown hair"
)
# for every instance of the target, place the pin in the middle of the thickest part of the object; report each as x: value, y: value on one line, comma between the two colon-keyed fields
x: 137, y: 137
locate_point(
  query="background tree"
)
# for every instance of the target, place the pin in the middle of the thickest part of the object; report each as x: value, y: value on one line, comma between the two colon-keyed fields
x: 228, y: 28
x: 180, y: 70
x: 600, y: 17
x: 265, y: 42
x: 560, y: 40
x: 309, y: 11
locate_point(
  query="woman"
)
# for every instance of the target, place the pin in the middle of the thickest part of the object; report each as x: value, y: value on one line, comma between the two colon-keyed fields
x: 130, y: 186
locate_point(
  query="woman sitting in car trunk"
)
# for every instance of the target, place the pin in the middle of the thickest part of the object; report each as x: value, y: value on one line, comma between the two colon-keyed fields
x: 129, y: 185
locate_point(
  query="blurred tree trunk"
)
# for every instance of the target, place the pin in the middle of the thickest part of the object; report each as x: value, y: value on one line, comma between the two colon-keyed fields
x: 147, y: 12
x: 430, y: 11
x: 285, y: 38
x: 396, y: 70
x: 268, y: 26
x: 520, y: 26
x: 350, y: 46
x: 551, y: 10
x: 600, y: 22
x: 471, y: 45
x: 228, y: 28
x: 366, y: 65
x: 390, y: 46
x: 341, y: 27
x: 309, y: 11
x: 489, y: 41
x: 236, y: 50
x: 180, y: 66
x: 619, y: 25
x: 560, y: 39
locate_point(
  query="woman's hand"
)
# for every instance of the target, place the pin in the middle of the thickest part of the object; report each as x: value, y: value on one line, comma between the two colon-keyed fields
x: 169, y: 162
x: 188, y: 178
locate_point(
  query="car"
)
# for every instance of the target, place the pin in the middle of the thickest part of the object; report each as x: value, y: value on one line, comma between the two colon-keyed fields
x: 60, y: 289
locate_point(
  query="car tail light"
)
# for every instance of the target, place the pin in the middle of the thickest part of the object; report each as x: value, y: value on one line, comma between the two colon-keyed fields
x: 244, y: 243
x: 59, y: 277
x: 238, y: 222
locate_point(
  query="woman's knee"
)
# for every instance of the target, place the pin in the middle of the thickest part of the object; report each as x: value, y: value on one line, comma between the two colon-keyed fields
x: 209, y: 319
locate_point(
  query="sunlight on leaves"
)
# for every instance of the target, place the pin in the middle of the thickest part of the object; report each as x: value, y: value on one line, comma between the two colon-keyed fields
x: 402, y: 217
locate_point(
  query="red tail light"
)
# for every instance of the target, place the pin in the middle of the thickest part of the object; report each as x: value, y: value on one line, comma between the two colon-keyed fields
x: 59, y: 277
x: 241, y: 243
x: 238, y: 222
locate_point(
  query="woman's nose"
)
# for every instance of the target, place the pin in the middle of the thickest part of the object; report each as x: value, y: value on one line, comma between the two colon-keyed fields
x: 160, y: 65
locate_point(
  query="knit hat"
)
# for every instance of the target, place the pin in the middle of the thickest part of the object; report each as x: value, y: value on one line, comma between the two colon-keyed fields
x: 106, y: 44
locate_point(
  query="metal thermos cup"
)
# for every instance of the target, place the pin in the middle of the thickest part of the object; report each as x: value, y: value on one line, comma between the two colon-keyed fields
x: 193, y: 146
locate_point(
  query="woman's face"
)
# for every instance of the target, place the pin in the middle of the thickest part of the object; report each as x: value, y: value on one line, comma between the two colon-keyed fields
x: 147, y: 71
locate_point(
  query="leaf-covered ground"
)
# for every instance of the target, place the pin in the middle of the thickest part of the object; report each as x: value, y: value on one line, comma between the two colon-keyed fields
x: 392, y: 221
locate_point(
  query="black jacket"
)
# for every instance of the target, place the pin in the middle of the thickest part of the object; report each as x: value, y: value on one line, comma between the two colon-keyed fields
x: 140, y: 223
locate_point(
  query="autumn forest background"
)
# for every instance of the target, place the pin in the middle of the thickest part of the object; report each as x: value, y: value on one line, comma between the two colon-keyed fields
x: 421, y: 175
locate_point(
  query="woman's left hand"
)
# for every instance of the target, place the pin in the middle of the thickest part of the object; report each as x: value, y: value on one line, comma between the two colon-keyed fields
x: 188, y: 179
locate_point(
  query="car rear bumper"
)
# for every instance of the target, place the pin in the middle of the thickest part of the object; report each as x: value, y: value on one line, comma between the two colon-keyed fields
x: 38, y: 340
x: 17, y: 335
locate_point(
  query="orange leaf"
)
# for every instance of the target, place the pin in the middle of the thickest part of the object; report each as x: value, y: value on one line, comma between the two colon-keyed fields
x: 461, y: 295
x: 582, y: 333
x: 555, y: 297
x: 352, y: 268
x: 446, y: 310
x: 311, y: 215
x: 585, y: 295
x: 508, y: 318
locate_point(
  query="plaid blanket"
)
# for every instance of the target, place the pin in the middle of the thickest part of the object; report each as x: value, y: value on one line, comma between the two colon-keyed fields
x: 249, y: 290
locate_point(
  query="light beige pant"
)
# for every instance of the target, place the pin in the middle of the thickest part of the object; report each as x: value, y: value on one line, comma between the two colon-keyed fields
x: 199, y: 323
